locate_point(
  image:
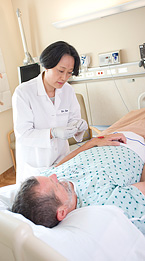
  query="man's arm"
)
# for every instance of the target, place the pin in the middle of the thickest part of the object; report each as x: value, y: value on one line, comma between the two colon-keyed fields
x: 108, y: 140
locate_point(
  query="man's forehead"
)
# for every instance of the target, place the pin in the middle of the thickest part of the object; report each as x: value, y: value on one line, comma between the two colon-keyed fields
x: 43, y: 182
x: 44, y: 188
x: 41, y: 178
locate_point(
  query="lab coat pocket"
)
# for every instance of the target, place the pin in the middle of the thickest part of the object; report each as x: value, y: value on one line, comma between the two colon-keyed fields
x: 62, y: 117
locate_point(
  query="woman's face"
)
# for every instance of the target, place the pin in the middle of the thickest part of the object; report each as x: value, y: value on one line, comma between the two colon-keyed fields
x: 58, y: 75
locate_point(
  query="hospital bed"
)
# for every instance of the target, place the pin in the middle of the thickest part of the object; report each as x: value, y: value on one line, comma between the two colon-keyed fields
x: 89, y: 233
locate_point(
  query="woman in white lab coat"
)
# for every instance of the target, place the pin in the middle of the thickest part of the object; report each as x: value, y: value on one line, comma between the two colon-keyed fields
x: 46, y: 111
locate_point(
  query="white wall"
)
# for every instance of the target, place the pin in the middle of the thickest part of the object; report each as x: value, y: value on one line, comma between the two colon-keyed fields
x: 122, y: 31
x: 10, y: 47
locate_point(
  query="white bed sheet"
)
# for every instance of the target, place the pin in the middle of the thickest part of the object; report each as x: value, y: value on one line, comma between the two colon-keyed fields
x: 136, y: 143
x: 90, y: 233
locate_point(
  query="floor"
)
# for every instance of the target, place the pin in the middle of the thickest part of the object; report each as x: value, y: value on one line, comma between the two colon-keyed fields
x: 8, y: 177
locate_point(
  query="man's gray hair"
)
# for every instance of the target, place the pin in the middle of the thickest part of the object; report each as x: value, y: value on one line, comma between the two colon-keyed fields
x: 39, y: 208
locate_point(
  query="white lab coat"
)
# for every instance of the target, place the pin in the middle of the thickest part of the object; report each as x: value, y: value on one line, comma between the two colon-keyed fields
x: 34, y: 115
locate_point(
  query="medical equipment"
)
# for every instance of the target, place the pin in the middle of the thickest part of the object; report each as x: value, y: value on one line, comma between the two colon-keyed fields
x: 109, y: 58
x: 85, y: 60
x: 28, y: 58
x: 142, y: 54
x: 30, y: 68
x: 27, y: 72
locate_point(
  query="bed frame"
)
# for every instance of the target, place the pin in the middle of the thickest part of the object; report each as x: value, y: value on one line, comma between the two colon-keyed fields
x: 18, y: 243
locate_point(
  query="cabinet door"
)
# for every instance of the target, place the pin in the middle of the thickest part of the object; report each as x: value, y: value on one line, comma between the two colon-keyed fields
x: 106, y: 104
x: 131, y: 88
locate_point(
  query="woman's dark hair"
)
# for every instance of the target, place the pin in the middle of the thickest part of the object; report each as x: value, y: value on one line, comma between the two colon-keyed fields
x: 39, y: 208
x: 51, y: 56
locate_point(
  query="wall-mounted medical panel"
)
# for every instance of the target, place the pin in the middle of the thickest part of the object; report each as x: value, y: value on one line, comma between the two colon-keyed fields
x: 110, y: 71
x: 109, y: 58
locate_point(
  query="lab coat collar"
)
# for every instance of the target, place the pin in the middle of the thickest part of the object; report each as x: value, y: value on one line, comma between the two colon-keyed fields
x: 41, y: 90
x: 40, y: 85
x: 57, y: 98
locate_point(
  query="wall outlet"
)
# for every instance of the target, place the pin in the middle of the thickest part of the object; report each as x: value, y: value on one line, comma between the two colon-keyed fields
x: 89, y: 74
x: 100, y: 73
x: 109, y: 58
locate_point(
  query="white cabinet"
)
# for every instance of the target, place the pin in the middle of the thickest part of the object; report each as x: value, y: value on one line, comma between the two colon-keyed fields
x: 103, y: 102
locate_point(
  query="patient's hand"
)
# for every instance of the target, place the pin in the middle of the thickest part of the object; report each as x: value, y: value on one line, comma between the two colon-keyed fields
x: 109, y: 140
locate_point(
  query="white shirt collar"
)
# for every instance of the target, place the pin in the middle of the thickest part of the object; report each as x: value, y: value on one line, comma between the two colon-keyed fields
x: 40, y: 85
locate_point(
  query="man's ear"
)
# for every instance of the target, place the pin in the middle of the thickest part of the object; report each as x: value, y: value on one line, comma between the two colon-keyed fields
x: 61, y: 213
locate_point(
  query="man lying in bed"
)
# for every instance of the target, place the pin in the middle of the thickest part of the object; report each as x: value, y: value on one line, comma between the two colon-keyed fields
x: 94, y: 174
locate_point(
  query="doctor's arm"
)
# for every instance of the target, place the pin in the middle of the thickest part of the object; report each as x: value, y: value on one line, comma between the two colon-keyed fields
x: 24, y: 128
x: 100, y: 141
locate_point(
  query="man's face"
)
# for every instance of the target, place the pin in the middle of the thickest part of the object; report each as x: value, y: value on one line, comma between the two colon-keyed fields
x: 64, y: 190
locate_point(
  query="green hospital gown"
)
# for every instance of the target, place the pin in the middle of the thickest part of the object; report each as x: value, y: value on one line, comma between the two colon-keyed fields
x: 103, y: 176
